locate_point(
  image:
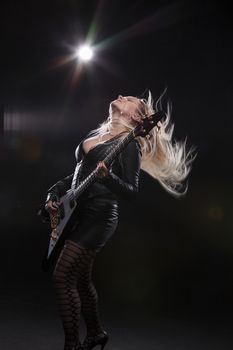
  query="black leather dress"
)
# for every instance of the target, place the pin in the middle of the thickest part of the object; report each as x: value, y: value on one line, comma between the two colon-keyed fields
x: 97, y: 210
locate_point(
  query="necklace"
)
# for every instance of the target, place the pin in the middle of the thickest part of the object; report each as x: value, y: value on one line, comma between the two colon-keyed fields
x: 121, y: 132
x: 111, y: 133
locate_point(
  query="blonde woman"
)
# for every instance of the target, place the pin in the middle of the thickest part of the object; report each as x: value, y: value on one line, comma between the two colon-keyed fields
x: 164, y: 159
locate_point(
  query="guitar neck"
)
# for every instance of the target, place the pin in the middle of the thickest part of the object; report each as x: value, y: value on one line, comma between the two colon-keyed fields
x: 92, y: 177
x: 118, y: 148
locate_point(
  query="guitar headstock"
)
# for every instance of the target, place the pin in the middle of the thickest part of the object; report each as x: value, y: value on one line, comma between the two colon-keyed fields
x: 148, y: 124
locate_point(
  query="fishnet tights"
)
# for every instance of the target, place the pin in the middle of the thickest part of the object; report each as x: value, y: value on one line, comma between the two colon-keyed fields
x: 76, y: 292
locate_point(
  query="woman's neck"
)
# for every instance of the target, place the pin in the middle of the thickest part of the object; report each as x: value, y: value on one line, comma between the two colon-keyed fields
x: 116, y: 128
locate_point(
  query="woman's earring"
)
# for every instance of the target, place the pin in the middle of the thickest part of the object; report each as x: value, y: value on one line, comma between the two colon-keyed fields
x: 121, y: 112
x: 157, y: 128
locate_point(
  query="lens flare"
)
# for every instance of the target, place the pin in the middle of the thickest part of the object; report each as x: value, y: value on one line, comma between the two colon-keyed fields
x: 84, y: 53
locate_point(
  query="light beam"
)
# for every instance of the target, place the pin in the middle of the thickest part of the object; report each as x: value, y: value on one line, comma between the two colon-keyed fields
x: 84, y: 53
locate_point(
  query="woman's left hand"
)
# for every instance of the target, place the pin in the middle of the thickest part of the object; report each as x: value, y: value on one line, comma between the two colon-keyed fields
x: 102, y: 170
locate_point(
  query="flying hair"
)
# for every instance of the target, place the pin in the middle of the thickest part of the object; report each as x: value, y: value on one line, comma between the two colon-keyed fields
x: 164, y: 158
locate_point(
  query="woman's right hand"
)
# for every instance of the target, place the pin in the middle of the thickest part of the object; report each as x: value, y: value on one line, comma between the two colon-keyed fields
x: 102, y: 170
x: 51, y: 207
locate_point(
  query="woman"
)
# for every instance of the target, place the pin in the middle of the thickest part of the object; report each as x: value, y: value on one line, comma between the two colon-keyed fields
x: 97, y: 214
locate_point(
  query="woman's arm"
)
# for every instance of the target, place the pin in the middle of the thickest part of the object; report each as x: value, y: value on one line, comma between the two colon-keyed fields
x: 130, y: 160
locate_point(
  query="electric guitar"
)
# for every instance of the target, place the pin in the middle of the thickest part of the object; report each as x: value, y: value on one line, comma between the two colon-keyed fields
x: 61, y: 221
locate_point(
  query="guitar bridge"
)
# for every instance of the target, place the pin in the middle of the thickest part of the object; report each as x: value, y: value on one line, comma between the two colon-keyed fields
x: 54, y: 220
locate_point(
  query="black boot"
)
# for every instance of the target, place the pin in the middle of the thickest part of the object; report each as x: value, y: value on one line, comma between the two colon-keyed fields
x: 92, y: 340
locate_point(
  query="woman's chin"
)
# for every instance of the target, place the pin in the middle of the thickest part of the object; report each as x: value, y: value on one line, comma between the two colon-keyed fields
x: 114, y: 105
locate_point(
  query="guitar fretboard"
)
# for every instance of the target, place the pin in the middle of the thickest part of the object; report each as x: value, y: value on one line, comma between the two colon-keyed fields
x: 92, y: 177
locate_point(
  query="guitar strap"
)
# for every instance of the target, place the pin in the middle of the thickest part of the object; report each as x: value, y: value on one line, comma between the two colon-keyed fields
x: 79, y: 157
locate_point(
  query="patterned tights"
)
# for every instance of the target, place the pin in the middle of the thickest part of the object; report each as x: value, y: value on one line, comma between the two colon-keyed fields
x: 75, y: 292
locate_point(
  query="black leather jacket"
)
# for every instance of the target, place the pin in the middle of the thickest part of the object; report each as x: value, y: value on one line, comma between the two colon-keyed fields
x: 123, y: 177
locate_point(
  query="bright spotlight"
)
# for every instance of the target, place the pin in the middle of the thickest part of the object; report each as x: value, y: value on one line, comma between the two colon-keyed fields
x: 85, y: 53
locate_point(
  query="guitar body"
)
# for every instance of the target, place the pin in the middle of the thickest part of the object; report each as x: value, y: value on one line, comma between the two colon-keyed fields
x: 66, y: 213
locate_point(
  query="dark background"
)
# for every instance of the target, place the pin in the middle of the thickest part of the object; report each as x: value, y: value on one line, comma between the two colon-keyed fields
x: 169, y: 264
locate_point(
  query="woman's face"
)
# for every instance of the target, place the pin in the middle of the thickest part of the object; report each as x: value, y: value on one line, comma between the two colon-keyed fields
x: 127, y: 106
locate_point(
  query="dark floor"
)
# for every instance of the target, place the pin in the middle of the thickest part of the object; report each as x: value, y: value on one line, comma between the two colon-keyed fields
x: 30, y: 321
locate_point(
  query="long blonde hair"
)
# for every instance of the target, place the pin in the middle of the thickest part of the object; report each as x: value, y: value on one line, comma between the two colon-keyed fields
x: 163, y: 158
